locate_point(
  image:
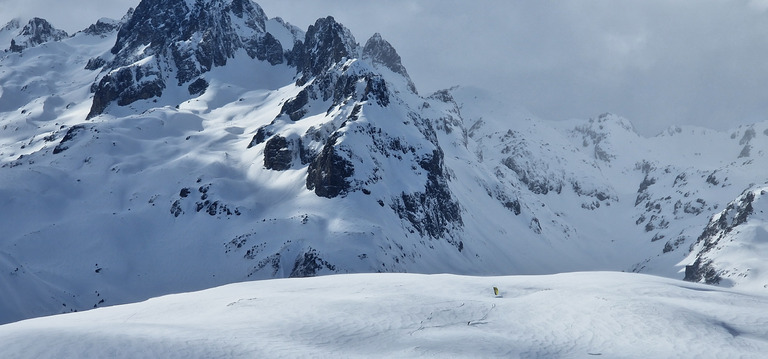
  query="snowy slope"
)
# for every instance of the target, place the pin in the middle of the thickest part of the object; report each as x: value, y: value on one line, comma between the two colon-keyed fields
x: 238, y: 147
x: 732, y: 248
x: 648, y: 198
x: 577, y: 315
x: 176, y: 193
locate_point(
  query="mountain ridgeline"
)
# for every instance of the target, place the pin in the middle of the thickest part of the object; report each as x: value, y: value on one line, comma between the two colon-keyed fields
x: 196, y: 143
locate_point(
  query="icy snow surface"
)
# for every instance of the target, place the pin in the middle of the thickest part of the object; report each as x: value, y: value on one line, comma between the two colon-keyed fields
x: 576, y: 315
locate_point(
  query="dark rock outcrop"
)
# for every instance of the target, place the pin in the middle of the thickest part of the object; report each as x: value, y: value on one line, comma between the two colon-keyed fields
x: 72, y: 132
x: 535, y: 182
x: 294, y: 107
x: 95, y: 63
x: 309, y: 264
x: 277, y: 154
x: 260, y: 136
x: 328, y: 173
x: 197, y: 87
x: 128, y: 85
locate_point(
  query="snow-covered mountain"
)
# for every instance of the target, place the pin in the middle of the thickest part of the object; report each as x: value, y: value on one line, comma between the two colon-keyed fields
x: 198, y: 143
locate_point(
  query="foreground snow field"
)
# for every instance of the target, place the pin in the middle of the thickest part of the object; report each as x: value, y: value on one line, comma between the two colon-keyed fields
x: 574, y: 315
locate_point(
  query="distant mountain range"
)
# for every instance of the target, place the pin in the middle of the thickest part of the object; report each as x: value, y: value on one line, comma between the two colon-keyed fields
x: 197, y: 143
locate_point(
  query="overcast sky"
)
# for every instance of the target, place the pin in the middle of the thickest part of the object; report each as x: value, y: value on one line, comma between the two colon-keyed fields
x: 657, y: 62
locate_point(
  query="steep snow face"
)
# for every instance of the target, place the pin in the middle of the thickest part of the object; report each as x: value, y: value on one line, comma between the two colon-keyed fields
x: 732, y: 248
x: 578, y: 315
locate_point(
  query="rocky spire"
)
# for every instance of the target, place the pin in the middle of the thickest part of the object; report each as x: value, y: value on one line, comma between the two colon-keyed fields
x: 325, y: 43
x: 380, y: 53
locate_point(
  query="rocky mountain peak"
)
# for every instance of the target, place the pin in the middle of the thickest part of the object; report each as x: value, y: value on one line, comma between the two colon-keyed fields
x: 35, y: 32
x: 166, y: 25
x: 602, y: 133
x: 183, y: 37
x: 326, y: 43
x: 608, y: 121
x: 12, y: 25
x: 380, y: 53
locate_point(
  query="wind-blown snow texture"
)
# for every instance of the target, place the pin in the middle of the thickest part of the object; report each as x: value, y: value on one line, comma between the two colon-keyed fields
x: 197, y: 143
x: 575, y: 315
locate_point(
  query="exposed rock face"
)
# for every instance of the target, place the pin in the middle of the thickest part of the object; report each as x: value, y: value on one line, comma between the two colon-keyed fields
x: 326, y: 43
x: 128, y: 84
x: 164, y: 37
x: 309, y: 264
x: 197, y: 87
x: 268, y: 48
x: 432, y: 212
x: 749, y: 135
x: 277, y: 155
x: 720, y: 226
x: 166, y: 27
x: 72, y: 132
x: 103, y: 27
x: 294, y: 107
x: 537, y: 182
x: 381, y: 54
x: 328, y: 173
x: 37, y: 31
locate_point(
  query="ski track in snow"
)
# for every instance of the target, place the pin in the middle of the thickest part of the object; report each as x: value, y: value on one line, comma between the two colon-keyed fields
x: 576, y: 315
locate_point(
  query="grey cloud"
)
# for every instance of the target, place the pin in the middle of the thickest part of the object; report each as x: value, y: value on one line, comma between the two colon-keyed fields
x: 655, y: 62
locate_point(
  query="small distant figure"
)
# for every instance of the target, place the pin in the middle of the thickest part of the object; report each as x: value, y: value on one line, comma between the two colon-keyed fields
x: 496, y: 291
